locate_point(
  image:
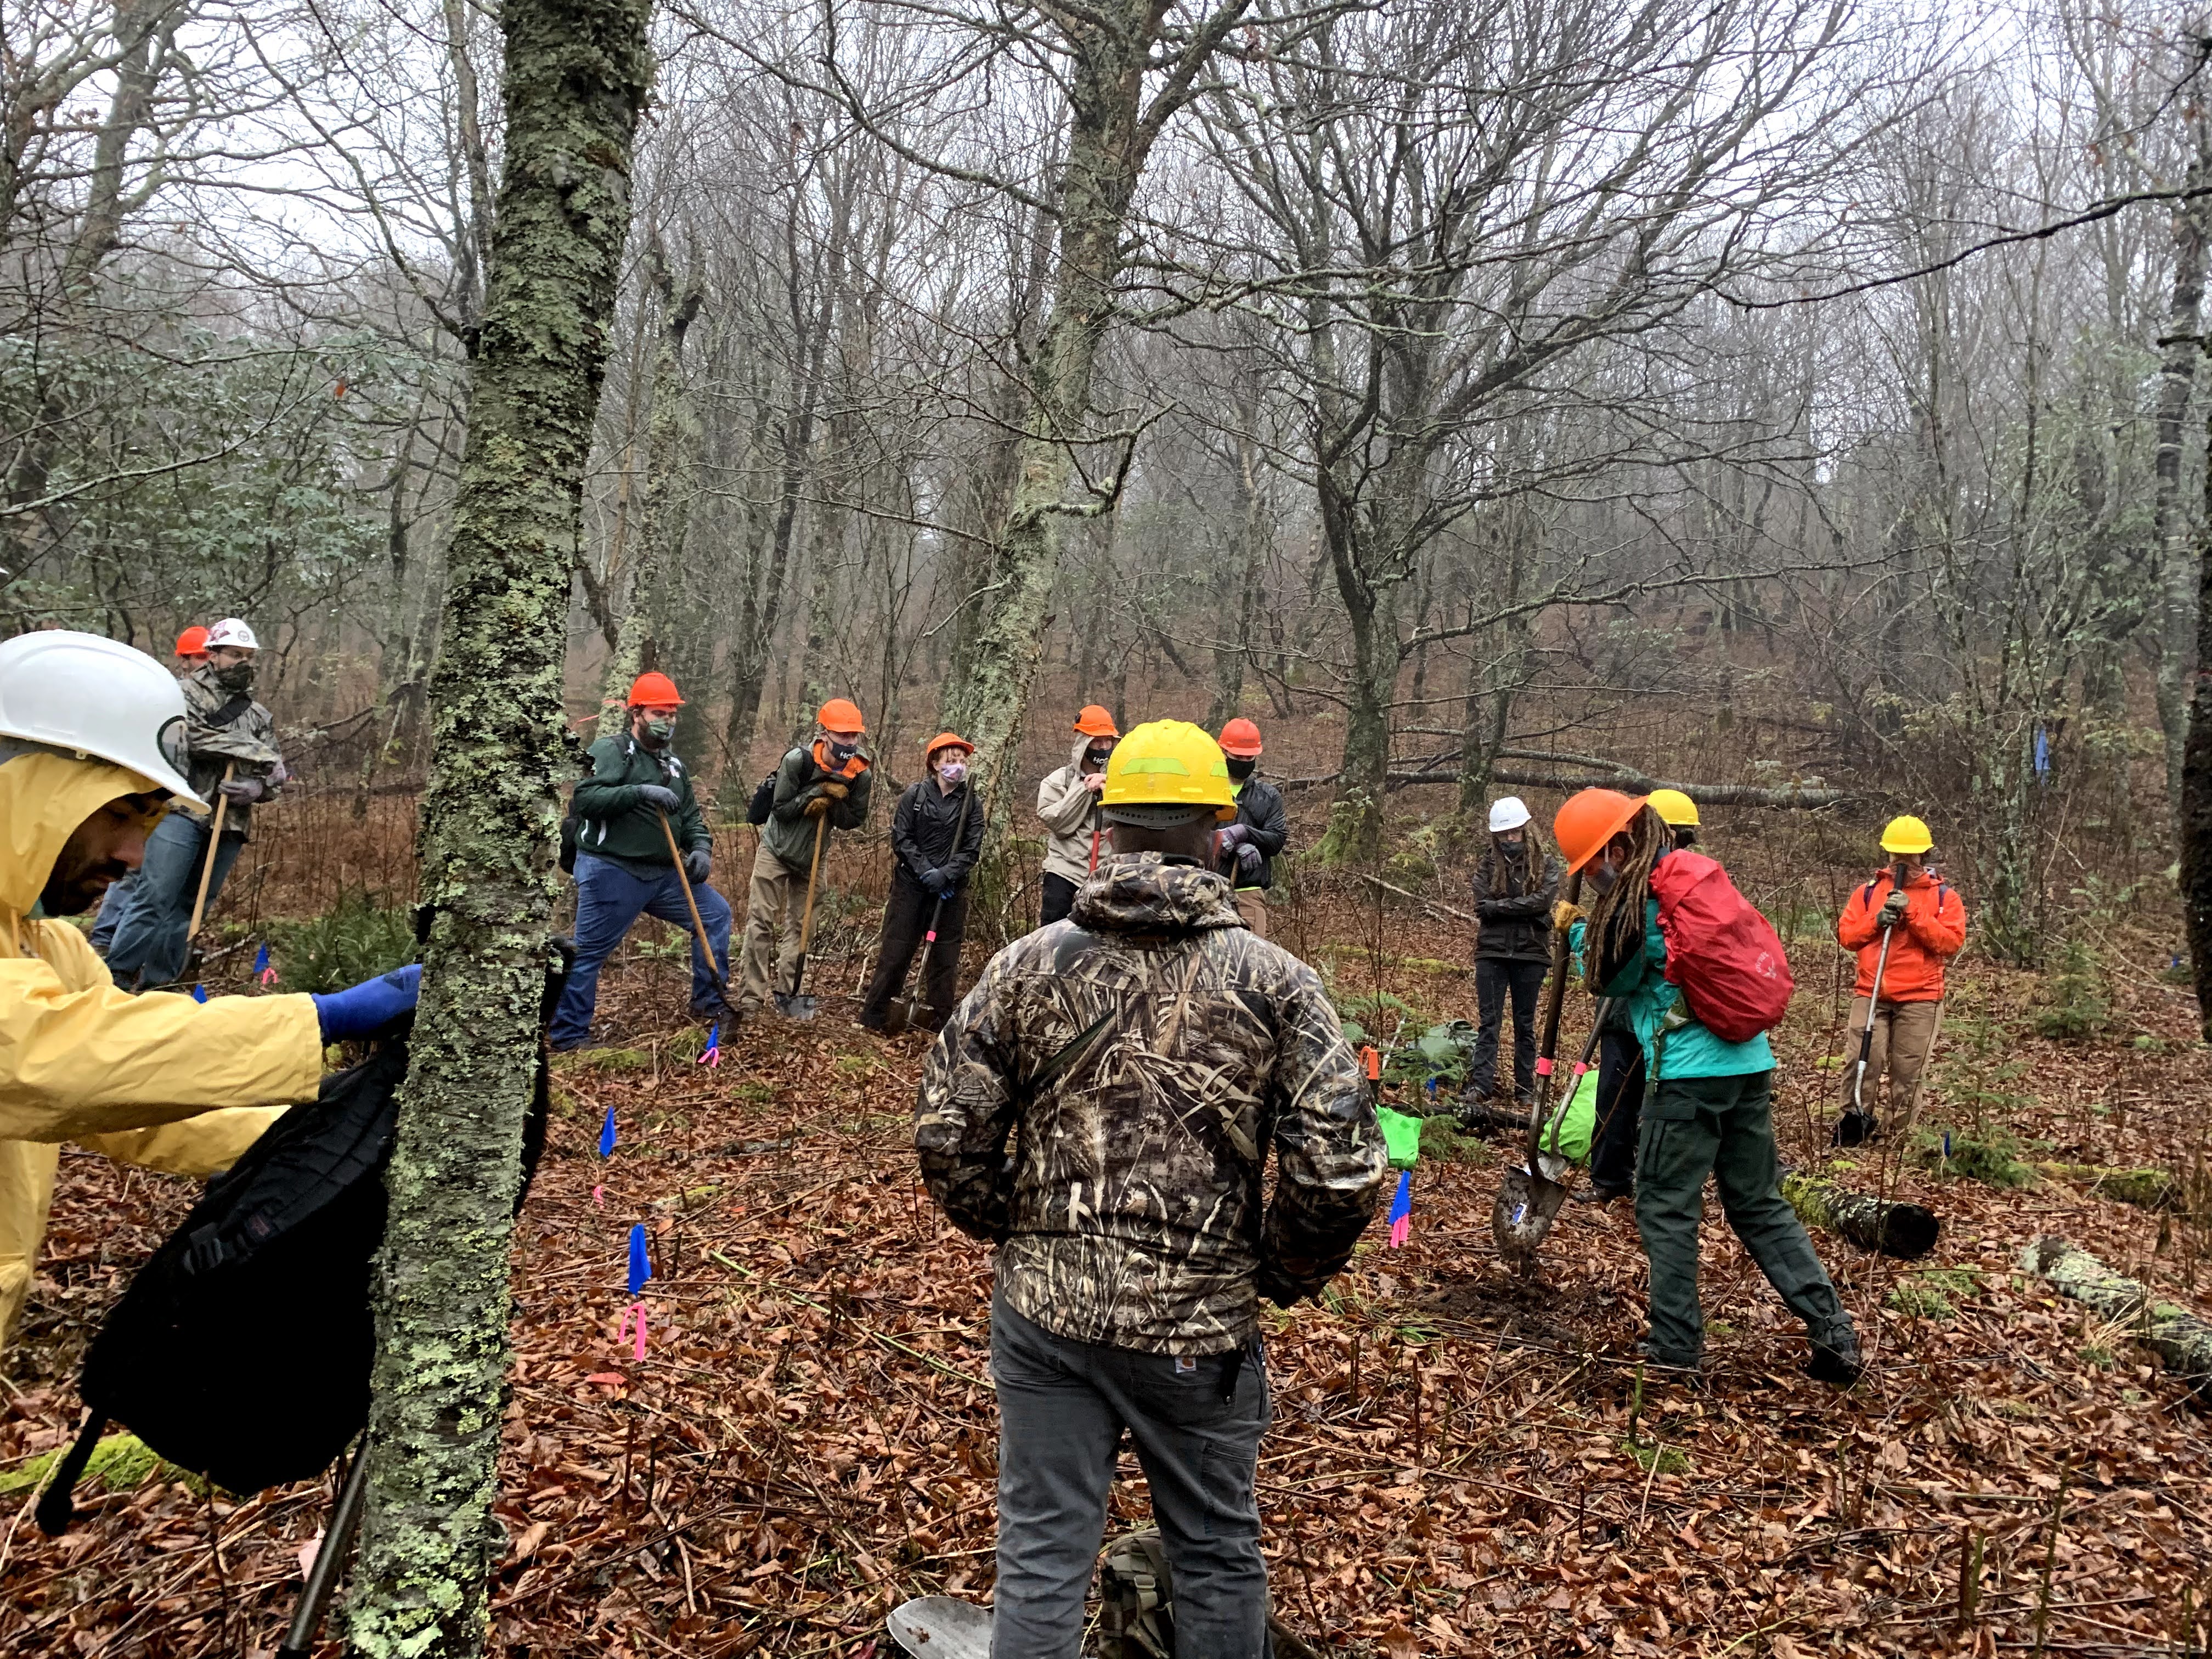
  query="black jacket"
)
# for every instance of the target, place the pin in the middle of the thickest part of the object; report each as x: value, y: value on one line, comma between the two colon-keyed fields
x: 1260, y: 810
x: 922, y: 829
x: 1515, y: 913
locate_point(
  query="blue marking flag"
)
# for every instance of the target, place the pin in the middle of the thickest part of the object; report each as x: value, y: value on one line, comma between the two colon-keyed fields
x: 641, y: 1264
x: 263, y: 973
x: 711, y: 1055
x: 1401, y: 1209
x: 2042, y: 751
x: 199, y: 993
x: 607, y: 1135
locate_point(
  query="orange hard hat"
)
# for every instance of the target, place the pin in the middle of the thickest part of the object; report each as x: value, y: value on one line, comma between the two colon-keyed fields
x: 1589, y: 818
x: 653, y: 691
x: 1240, y: 737
x: 1093, y: 721
x: 843, y: 716
x: 192, y: 642
x: 946, y: 740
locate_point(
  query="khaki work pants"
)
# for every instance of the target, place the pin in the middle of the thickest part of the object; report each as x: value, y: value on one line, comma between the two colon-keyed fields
x: 776, y: 904
x: 1904, y: 1038
x: 1252, y: 905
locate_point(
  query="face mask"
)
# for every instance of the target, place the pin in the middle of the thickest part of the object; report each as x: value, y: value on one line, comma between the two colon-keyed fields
x: 236, y: 678
x: 1603, y: 876
x: 953, y: 771
x: 1097, y: 756
x: 1242, y: 770
x: 842, y: 752
x: 659, y: 729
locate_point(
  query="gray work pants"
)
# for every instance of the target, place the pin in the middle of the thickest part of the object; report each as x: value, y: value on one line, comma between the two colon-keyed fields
x: 1062, y: 1407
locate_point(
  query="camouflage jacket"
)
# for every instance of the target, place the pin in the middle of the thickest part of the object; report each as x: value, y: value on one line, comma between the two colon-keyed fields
x: 1142, y: 1057
x: 225, y: 729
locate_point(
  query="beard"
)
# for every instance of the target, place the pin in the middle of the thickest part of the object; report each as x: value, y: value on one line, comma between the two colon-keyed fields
x: 75, y: 888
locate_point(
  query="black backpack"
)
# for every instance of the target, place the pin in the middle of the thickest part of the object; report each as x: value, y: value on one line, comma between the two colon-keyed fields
x: 242, y: 1350
x: 764, y: 800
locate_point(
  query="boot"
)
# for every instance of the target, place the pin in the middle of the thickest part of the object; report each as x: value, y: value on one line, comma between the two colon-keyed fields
x: 1835, y: 1358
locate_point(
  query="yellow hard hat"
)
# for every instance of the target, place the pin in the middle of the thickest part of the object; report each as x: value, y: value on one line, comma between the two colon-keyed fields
x: 1906, y: 835
x: 1166, y: 765
x: 1672, y: 804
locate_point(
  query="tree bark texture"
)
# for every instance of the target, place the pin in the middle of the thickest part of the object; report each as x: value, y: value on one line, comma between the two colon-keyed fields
x: 1907, y: 1231
x: 576, y: 75
x: 2194, y: 819
x: 2178, y: 1336
x: 2147, y: 1189
x: 2180, y: 344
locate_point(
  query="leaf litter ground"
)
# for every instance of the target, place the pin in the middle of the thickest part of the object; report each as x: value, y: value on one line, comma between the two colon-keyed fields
x: 1461, y: 1460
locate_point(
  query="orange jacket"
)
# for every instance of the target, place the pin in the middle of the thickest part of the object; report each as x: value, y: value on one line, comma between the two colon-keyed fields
x: 1935, y: 927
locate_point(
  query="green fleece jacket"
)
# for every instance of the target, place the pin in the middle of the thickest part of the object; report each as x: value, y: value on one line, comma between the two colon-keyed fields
x: 789, y: 833
x: 1645, y: 998
x: 612, y: 823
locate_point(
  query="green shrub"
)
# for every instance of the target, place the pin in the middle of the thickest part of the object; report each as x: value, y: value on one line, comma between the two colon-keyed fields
x: 358, y: 937
x: 2077, y: 1003
x: 1991, y: 1156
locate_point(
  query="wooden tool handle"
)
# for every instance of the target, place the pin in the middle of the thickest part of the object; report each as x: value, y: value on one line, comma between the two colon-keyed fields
x: 207, y: 865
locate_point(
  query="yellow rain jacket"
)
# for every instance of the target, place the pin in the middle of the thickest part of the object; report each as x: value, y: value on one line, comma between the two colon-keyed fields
x: 133, y: 1078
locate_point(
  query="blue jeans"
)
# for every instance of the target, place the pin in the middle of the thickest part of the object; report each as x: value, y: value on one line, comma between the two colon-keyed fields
x: 609, y: 899
x: 150, y: 945
x: 109, y: 916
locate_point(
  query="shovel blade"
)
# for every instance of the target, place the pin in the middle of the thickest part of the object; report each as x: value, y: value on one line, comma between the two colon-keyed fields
x: 1520, y: 1215
x: 898, y: 1017
x: 939, y: 1627
x: 796, y: 1008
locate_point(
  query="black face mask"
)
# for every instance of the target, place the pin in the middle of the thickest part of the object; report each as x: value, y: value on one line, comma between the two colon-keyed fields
x: 1241, y: 769
x: 239, y: 677
x: 1097, y: 756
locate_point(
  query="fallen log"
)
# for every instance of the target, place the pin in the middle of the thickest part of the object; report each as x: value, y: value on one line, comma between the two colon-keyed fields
x: 2147, y: 1189
x: 1790, y: 796
x: 1907, y: 1231
x: 1426, y: 903
x: 2178, y: 1337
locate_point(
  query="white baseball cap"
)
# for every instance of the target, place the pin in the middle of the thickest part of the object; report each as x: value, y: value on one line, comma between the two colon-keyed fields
x: 1506, y: 812
x: 231, y: 632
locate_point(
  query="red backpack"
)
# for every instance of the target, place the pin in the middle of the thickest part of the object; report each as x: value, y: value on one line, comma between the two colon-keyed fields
x: 1726, y: 956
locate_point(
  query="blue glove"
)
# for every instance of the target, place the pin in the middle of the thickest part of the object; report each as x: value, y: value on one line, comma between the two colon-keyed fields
x: 946, y: 897
x: 372, y: 1004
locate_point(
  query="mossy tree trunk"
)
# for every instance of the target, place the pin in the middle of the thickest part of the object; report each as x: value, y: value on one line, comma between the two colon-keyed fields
x: 1112, y: 123
x: 576, y: 74
x: 2196, y: 813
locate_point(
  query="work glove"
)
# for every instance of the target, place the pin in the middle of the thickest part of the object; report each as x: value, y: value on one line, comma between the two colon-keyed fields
x: 1564, y: 915
x: 696, y: 863
x: 933, y: 879
x: 658, y: 796
x: 372, y: 1004
x: 243, y: 790
x: 818, y: 806
x: 1894, y: 908
x: 836, y: 791
x: 1248, y: 858
x: 1234, y: 835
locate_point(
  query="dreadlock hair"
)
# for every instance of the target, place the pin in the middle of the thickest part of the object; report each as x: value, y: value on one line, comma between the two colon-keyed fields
x: 1616, y: 921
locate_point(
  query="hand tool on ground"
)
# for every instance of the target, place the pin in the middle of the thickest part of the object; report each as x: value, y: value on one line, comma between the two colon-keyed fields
x: 900, y: 1014
x: 1529, y: 1196
x: 691, y: 903
x: 331, y: 1558
x: 1857, y: 1126
x: 796, y: 1005
x: 940, y: 1627
x: 207, y: 863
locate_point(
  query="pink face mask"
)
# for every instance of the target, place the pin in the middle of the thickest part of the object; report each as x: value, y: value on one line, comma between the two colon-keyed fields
x: 952, y: 771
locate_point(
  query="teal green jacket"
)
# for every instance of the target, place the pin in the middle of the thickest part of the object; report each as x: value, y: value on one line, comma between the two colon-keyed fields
x: 613, y: 823
x: 1645, y: 998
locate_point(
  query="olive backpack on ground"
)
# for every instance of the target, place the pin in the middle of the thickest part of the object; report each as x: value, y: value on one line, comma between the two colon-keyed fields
x: 242, y: 1350
x: 1136, y: 1598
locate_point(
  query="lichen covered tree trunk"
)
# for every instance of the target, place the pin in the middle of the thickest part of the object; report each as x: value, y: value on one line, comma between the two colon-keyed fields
x: 2176, y: 1335
x: 1907, y: 1231
x: 2195, y: 812
x: 576, y: 73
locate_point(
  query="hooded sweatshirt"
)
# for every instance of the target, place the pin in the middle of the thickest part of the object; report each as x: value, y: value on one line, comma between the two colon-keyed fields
x: 1126, y: 1190
x: 131, y: 1077
x: 1070, y: 817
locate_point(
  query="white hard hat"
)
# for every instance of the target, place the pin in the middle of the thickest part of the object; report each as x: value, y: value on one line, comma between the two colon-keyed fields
x: 96, y: 697
x: 1507, y: 812
x: 231, y: 632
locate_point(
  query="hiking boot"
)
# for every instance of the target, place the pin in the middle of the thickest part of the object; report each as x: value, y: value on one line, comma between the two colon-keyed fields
x: 728, y: 1013
x: 1662, y: 1359
x: 1836, y: 1360
x: 1594, y: 1193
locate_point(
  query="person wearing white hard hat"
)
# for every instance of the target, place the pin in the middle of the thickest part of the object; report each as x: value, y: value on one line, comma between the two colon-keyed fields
x: 92, y: 745
x: 233, y: 744
x: 1516, y: 881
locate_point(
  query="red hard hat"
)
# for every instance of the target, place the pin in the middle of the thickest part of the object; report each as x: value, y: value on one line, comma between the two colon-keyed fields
x: 843, y: 716
x: 1093, y: 721
x: 192, y: 642
x: 1589, y: 819
x: 653, y: 691
x: 1240, y: 737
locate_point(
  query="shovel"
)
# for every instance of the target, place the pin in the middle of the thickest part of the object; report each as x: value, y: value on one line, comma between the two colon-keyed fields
x: 1529, y: 1196
x: 796, y: 1006
x: 691, y: 903
x: 900, y: 1016
x: 1857, y: 1126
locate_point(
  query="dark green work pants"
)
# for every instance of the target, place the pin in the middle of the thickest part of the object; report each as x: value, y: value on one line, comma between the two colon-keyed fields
x: 1722, y: 1126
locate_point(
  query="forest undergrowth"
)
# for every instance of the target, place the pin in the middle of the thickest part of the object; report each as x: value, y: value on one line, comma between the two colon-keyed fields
x: 1460, y: 1461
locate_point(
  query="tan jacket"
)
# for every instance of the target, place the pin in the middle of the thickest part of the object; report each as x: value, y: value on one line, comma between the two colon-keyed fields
x: 1070, y: 817
x: 131, y: 1077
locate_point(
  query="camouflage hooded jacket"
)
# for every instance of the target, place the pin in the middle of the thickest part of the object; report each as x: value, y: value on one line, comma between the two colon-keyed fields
x: 226, y: 729
x: 1142, y: 1057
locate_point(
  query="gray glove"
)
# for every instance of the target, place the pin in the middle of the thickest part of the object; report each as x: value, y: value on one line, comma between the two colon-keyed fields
x: 1248, y: 858
x: 933, y: 881
x: 243, y: 790
x: 1893, y: 907
x: 658, y: 795
x: 696, y: 863
x: 1234, y: 835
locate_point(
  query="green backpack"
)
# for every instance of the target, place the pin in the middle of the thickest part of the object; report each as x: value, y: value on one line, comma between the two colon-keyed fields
x: 1136, y: 1599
